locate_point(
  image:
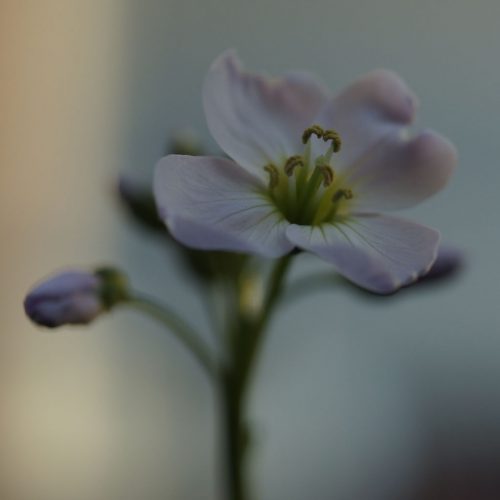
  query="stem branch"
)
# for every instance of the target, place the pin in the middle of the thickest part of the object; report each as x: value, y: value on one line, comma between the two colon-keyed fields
x: 177, y: 326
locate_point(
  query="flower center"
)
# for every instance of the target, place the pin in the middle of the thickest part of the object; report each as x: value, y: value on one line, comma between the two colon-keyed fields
x: 307, y: 191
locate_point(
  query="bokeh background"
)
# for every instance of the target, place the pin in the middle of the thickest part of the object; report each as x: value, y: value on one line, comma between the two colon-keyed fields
x: 355, y: 398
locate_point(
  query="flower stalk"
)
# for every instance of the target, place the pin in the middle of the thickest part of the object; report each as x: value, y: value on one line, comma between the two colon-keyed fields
x: 246, y: 339
x: 178, y: 327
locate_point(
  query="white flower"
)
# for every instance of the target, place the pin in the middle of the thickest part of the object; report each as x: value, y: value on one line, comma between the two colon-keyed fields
x: 311, y: 172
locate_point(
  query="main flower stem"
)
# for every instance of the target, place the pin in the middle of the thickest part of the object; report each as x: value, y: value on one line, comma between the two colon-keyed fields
x: 235, y: 438
x: 245, y: 341
x: 245, y: 336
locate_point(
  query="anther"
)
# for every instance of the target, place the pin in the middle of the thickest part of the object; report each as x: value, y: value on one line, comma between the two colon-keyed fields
x: 342, y: 193
x: 274, y: 175
x: 292, y: 163
x: 331, y: 135
x: 312, y: 130
x: 327, y: 173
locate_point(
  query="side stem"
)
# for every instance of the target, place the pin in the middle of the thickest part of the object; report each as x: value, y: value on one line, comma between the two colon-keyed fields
x: 177, y: 326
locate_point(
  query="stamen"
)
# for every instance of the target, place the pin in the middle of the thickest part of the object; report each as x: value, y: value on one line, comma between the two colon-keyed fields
x: 312, y: 130
x: 328, y: 174
x: 331, y: 135
x: 274, y: 175
x: 311, y: 195
x: 308, y: 197
x: 342, y: 193
x: 292, y: 163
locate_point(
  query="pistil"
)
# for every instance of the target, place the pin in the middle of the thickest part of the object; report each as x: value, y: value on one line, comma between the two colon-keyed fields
x: 306, y: 140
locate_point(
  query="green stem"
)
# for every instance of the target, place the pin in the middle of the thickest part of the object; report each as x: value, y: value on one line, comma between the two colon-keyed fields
x: 246, y: 340
x: 257, y: 333
x: 177, y: 326
x: 234, y: 438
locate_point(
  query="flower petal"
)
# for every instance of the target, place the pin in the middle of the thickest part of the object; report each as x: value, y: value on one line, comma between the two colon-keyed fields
x: 371, y: 107
x: 449, y: 262
x: 213, y: 204
x: 377, y: 252
x: 398, y: 173
x: 257, y: 120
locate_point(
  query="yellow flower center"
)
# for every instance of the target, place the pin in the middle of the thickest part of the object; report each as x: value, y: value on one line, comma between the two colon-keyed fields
x: 309, y: 192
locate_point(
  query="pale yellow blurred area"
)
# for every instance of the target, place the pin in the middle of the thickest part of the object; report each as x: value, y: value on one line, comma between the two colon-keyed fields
x: 85, y: 413
x: 60, y: 91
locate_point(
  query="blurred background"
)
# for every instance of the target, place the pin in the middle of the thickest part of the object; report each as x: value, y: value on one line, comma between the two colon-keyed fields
x: 393, y: 398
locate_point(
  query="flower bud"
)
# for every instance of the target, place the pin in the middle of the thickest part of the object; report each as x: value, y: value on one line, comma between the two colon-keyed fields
x: 184, y: 142
x: 74, y: 297
x: 138, y: 201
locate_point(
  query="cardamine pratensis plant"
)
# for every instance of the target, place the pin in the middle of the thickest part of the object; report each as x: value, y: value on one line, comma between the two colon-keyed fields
x: 303, y: 172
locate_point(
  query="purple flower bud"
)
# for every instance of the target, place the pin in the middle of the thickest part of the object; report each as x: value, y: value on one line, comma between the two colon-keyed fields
x: 71, y: 297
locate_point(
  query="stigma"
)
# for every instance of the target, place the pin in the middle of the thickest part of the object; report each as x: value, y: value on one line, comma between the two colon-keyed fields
x: 308, y: 191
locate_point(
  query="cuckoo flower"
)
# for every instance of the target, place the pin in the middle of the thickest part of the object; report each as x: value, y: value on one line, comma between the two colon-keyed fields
x: 309, y: 171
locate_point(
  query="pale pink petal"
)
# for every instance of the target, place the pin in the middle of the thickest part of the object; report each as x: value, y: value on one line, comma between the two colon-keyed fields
x: 258, y: 120
x: 449, y: 262
x: 377, y: 252
x: 212, y: 204
x: 375, y: 105
x: 398, y: 173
